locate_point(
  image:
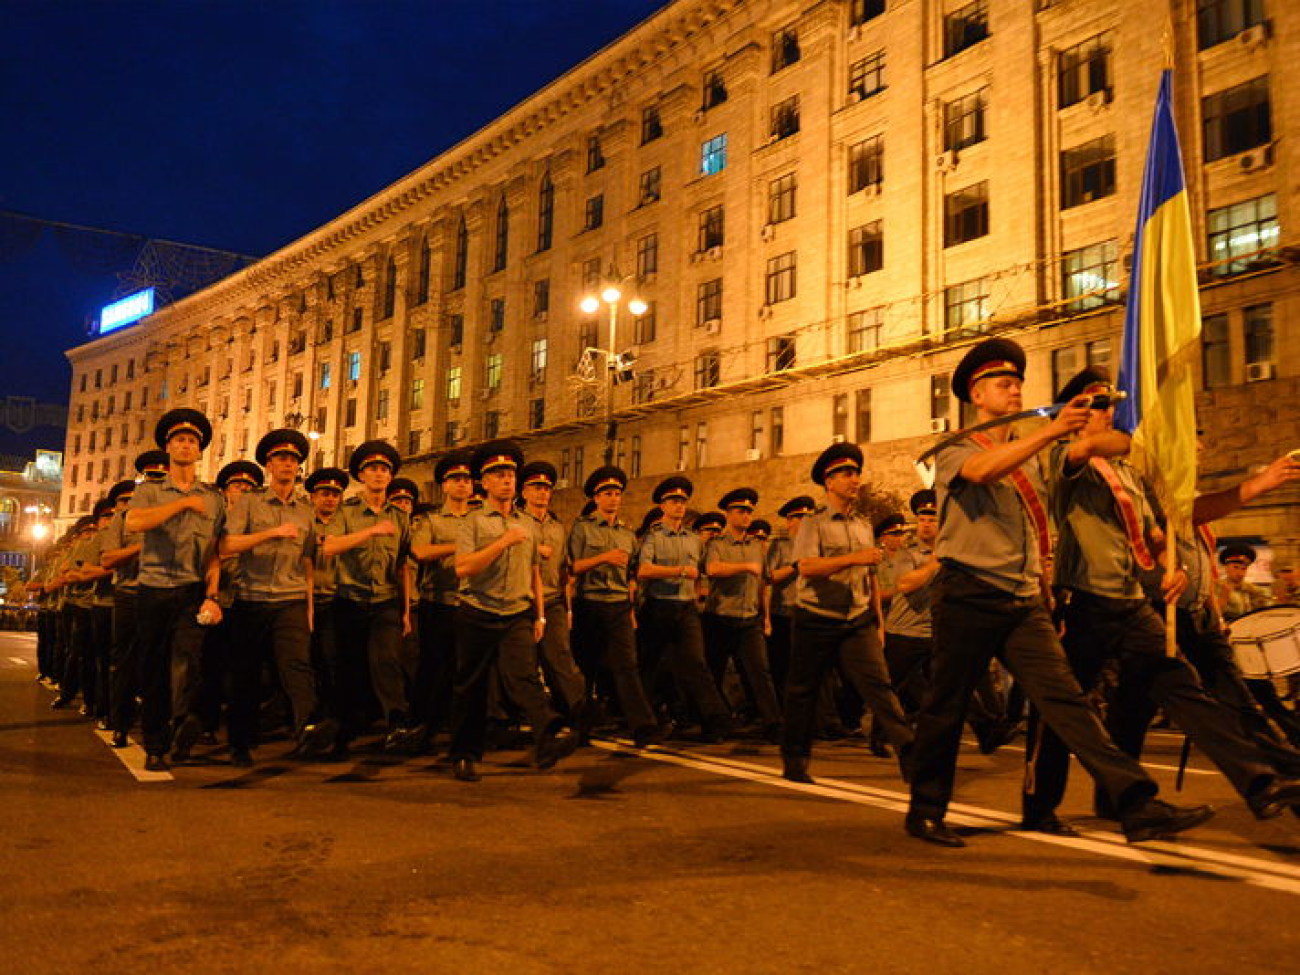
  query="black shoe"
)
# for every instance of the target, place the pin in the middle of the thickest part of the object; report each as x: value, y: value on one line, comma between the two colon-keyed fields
x: 464, y: 770
x: 932, y: 830
x: 155, y: 763
x: 1156, y: 819
x: 186, y: 735
x: 1049, y: 824
x: 317, y: 738
x: 647, y: 735
x: 120, y: 740
x: 794, y: 768
x: 241, y: 758
x: 60, y: 704
x: 996, y: 734
x: 879, y: 749
x: 555, y: 745
x: 1274, y: 798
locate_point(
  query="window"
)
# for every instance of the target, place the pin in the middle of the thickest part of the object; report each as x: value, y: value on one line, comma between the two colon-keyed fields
x: 1222, y: 20
x: 460, y: 260
x: 652, y: 127
x: 108, y: 438
x: 327, y: 332
x: 595, y: 157
x: 713, y: 155
x: 862, y: 412
x: 1088, y: 172
x: 708, y: 369
x: 545, y: 214
x: 492, y: 370
x: 350, y: 412
x: 777, y: 424
x: 422, y: 275
x: 130, y: 368
x: 270, y: 396
x: 867, y: 76
x: 501, y: 249
x: 1239, y: 232
x: 537, y: 366
x: 965, y: 27
x: 1083, y: 70
x: 1064, y: 366
x: 715, y: 90
x: 867, y: 163
x: 418, y: 343
x: 634, y: 457
x: 586, y: 404
x: 456, y: 330
x: 94, y: 439
x: 491, y: 424
x: 497, y: 315
x: 354, y: 366
x: 643, y: 386
x: 99, y: 378
x: 384, y: 357
x: 940, y: 397
x: 785, y: 48
x: 591, y: 273
x: 866, y: 249
x: 587, y: 337
x: 840, y: 417
x: 414, y: 441
x: 780, y: 284
x: 1216, y: 355
x: 1237, y: 119
x: 537, y: 413
x: 112, y: 374
x: 756, y: 430
x: 450, y: 433
x: 647, y: 256
x: 541, y: 297
x: 781, y: 198
x: 701, y: 442
x: 325, y: 374
x: 358, y: 319
x: 965, y: 306
x: 708, y: 302
x: 860, y: 11
x: 643, y: 326
x: 381, y: 405
x: 966, y: 214
x: 963, y: 120
x: 713, y: 228
x: 322, y: 419
x: 82, y: 387
x: 1090, y: 276
x: 417, y: 394
x: 360, y: 279
x: 651, y: 181
x: 579, y: 464
x: 453, y: 384
x: 1260, y: 349
x: 593, y: 214
x: 863, y: 331
x: 390, y: 288
x: 1098, y: 353
x: 781, y: 353
x: 785, y: 118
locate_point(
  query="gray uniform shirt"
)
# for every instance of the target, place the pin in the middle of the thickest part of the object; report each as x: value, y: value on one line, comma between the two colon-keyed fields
x: 780, y: 553
x: 591, y: 536
x: 551, y: 533
x: 665, y: 546
x: 438, y: 581
x: 983, y: 528
x: 273, y: 571
x: 176, y: 553
x: 370, y: 572
x: 81, y: 594
x: 908, y: 613
x: 505, y: 587
x: 846, y: 594
x: 324, y: 576
x: 101, y: 589
x: 737, y: 596
x: 125, y: 576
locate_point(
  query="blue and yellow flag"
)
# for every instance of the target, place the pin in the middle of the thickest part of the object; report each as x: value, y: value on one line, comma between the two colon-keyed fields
x: 1162, y: 321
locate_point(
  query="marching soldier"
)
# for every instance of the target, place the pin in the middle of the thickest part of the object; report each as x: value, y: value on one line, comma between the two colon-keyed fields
x: 778, y: 564
x: 325, y: 487
x: 120, y: 552
x: 907, y: 622
x: 98, y: 649
x: 1237, y: 597
x: 77, y: 675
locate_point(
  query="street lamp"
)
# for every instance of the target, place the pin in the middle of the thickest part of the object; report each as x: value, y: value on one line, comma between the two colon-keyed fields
x: 617, y: 367
x: 39, y: 531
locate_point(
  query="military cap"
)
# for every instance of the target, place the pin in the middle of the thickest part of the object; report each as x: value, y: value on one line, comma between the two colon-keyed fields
x: 992, y: 357
x: 327, y: 477
x: 836, y: 457
x: 710, y: 519
x: 153, y: 463
x: 739, y: 498
x: 104, y: 506
x: 924, y: 502
x: 801, y: 505
x: 676, y: 486
x: 760, y: 528
x: 604, y: 477
x: 538, y: 472
x: 282, y: 441
x: 82, y: 524
x: 1235, y: 553
x: 888, y: 523
x: 402, y: 487
x: 121, y: 489
x: 1093, y: 381
x: 497, y: 453
x: 374, y: 452
x: 458, y: 463
x: 183, y: 420
x: 240, y: 470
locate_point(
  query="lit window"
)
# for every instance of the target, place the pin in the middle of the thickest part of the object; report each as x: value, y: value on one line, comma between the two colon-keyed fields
x: 713, y: 155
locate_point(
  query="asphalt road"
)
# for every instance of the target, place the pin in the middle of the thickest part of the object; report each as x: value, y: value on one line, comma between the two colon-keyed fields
x: 696, y: 859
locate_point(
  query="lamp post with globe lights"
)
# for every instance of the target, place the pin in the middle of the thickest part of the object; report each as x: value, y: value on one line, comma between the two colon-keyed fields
x: 612, y: 296
x: 39, y: 531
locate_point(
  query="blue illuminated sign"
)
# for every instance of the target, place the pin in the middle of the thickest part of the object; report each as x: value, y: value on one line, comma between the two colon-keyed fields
x: 130, y: 309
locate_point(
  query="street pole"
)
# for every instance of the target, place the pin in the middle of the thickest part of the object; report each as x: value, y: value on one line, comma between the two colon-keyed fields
x: 611, y: 428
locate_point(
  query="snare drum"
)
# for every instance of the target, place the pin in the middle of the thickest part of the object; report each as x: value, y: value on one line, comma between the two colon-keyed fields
x: 1266, y: 642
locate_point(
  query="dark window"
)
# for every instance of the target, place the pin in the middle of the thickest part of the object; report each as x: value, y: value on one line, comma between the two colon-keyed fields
x: 965, y: 307
x: 417, y: 343
x: 965, y: 27
x: 385, y: 357
x: 866, y: 249
x: 940, y: 397
x: 708, y: 302
x: 651, y: 181
x: 785, y: 118
x: 780, y: 282
x: 643, y: 326
x: 1088, y: 172
x: 867, y: 75
x: 541, y: 297
x: 413, y: 441
x: 867, y: 163
x: 1090, y: 277
x: 647, y: 256
x: 634, y: 457
x: 651, y: 126
x: 456, y: 329
x: 1240, y: 232
x: 781, y: 198
x: 502, y: 249
x: 594, y: 213
x: 591, y: 272
x: 381, y: 405
x: 708, y: 369
x: 963, y: 120
x: 595, y: 157
x: 785, y: 48
x: 390, y: 288
x: 715, y: 90
x: 776, y: 421
x: 863, y: 10
x: 350, y: 412
x: 1237, y: 119
x: 497, y: 314
x: 1222, y: 20
x: 130, y: 368
x: 491, y: 424
x: 422, y: 278
x: 545, y: 213
x: 863, y: 331
x: 450, y: 433
x: 358, y: 319
x: 712, y: 228
x: 1216, y: 355
x: 862, y: 409
x: 1083, y: 70
x: 643, y: 386
x: 537, y: 413
x: 781, y: 353
x: 460, y: 265
x: 1260, y: 346
x: 360, y: 280
x: 840, y: 416
x: 966, y: 214
x: 1098, y: 353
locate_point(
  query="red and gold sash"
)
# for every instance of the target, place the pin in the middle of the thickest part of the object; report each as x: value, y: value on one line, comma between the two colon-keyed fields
x: 1127, y: 512
x: 1033, y: 504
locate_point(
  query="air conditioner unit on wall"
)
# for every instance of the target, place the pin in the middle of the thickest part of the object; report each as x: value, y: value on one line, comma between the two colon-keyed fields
x: 713, y: 326
x: 939, y: 424
x: 1099, y: 99
x: 1259, y: 371
x: 1254, y: 37
x: 1256, y: 159
x: 753, y: 453
x: 768, y: 231
x: 946, y: 161
x: 765, y: 311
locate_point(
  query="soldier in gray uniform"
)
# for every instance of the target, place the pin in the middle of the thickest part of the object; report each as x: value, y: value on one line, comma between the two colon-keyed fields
x: 79, y: 662
x: 272, y: 533
x: 989, y: 601
x: 501, y: 617
x: 100, y: 646
x: 598, y: 552
x: 733, y: 611
x: 778, y: 567
x: 1107, y: 536
x: 180, y: 518
x: 120, y: 552
x: 907, y: 622
x: 325, y: 486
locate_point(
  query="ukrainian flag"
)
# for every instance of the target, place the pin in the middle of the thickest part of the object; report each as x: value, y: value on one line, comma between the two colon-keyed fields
x: 1162, y: 321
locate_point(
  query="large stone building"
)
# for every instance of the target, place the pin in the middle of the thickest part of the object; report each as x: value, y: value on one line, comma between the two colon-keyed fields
x: 822, y: 201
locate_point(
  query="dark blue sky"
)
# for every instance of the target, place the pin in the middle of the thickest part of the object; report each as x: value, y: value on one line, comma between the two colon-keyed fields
x: 239, y: 124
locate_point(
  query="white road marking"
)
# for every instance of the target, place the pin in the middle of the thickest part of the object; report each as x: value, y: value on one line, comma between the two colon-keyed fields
x: 22, y: 661
x: 1268, y: 874
x: 133, y: 757
x: 1190, y: 770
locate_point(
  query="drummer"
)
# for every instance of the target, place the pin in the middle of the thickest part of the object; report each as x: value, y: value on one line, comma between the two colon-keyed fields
x: 1236, y: 596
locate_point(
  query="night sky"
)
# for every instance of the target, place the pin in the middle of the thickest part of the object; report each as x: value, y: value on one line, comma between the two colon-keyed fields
x: 238, y: 125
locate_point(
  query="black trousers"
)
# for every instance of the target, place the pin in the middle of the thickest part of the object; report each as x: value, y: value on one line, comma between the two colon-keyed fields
x: 973, y: 623
x: 370, y: 658
x: 909, y: 668
x: 45, y: 642
x: 673, y: 639
x: 76, y: 648
x: 124, y: 661
x: 483, y: 641
x: 436, y: 671
x: 269, y: 630
x: 563, y: 675
x: 819, y: 644
x: 778, y: 652
x: 729, y: 638
x: 95, y: 661
x: 604, y: 646
x: 171, y: 651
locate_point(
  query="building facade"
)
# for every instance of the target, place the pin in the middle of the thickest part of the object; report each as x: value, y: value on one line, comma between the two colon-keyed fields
x: 823, y: 202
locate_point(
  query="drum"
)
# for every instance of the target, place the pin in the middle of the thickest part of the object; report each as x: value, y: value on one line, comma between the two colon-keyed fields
x: 1266, y: 642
